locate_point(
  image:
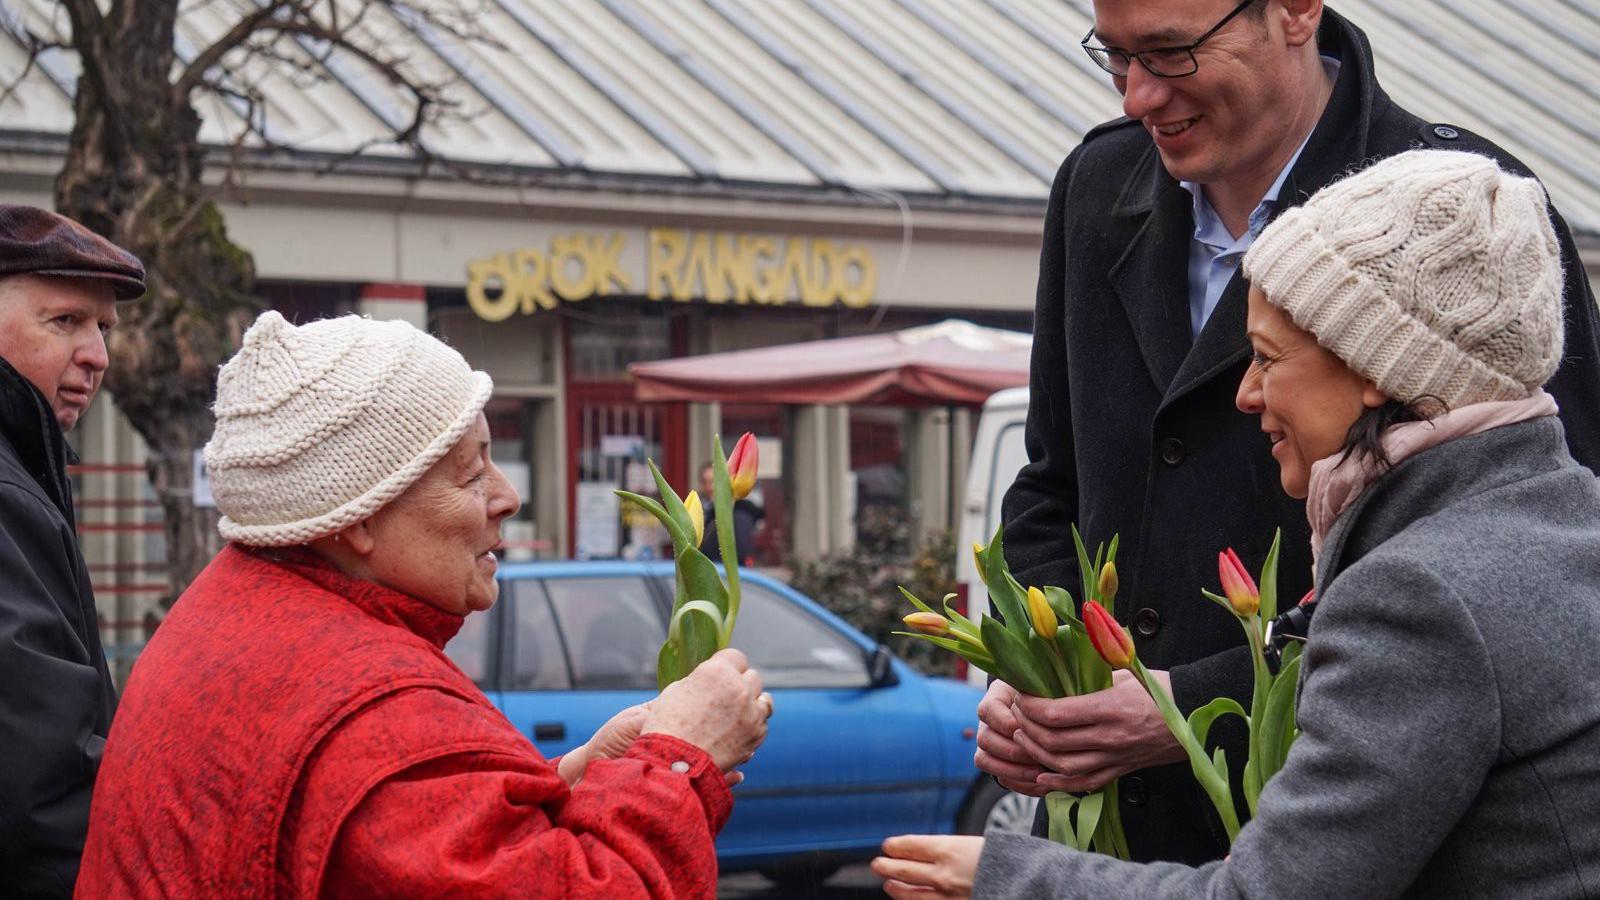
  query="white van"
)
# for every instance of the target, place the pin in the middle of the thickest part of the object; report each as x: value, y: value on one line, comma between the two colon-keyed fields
x: 997, y: 455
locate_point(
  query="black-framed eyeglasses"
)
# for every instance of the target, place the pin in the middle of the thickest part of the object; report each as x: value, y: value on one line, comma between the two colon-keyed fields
x: 1165, y: 62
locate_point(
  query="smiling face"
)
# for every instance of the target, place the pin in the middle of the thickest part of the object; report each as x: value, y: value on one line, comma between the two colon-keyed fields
x: 1307, y: 398
x: 436, y: 541
x: 1237, y: 118
x: 53, y: 332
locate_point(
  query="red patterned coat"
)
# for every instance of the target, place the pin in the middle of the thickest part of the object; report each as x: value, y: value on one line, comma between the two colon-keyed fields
x: 293, y: 732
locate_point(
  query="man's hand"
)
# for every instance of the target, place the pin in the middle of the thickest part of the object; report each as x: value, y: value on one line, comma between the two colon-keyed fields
x: 1085, y: 742
x: 998, y: 752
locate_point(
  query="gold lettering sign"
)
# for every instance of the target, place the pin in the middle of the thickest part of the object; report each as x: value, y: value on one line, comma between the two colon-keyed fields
x: 576, y: 266
x: 680, y: 266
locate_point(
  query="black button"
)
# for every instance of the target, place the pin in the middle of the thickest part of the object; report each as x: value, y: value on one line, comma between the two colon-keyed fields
x: 1133, y: 790
x: 1147, y: 622
x: 1445, y: 132
x: 1172, y: 451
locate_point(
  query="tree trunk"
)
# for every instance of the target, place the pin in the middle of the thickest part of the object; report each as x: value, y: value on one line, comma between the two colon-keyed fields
x: 133, y: 173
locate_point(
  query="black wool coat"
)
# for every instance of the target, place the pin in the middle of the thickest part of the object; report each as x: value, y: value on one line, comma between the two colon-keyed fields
x: 1132, y: 428
x: 56, y: 695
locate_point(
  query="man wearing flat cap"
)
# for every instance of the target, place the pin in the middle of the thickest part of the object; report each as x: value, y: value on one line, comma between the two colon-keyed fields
x: 59, y: 287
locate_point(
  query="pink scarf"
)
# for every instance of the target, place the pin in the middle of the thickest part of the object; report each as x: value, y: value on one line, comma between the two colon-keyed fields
x: 1334, y: 487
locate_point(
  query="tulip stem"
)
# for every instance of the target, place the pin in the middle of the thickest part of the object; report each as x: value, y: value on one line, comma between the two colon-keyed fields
x: 1214, y: 782
x: 727, y: 539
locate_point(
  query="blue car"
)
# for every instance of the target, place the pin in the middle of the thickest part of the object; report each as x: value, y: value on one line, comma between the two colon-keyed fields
x: 861, y: 746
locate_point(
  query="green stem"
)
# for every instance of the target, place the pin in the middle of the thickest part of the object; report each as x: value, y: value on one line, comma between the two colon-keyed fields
x: 1258, y: 705
x: 727, y: 540
x: 1069, y: 684
x: 1216, y: 787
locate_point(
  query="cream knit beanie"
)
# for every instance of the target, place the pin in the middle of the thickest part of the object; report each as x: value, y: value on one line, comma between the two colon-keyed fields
x: 319, y: 426
x: 1432, y: 273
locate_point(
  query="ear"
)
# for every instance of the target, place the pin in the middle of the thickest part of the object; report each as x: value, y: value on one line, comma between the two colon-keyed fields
x: 1300, y: 19
x: 352, y: 540
x: 1371, y: 397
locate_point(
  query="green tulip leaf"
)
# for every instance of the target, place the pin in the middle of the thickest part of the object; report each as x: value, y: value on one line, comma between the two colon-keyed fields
x: 1200, y: 720
x: 1277, y: 726
x: 1041, y: 652
x: 1014, y: 661
x: 702, y: 581
x: 1058, y: 809
x: 697, y: 630
x: 1004, y: 592
x: 669, y: 665
x: 1087, y: 574
x: 674, y: 528
x: 1089, y: 809
x: 1061, y: 601
x: 1269, y: 580
x: 1219, y: 600
x: 915, y: 600
x: 683, y: 537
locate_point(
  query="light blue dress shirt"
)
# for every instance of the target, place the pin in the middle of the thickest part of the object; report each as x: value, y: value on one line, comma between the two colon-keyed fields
x: 1214, y: 253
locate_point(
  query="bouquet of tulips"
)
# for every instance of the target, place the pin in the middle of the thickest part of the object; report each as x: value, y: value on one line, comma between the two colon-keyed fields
x: 704, y: 607
x: 1271, y: 718
x: 1040, y: 647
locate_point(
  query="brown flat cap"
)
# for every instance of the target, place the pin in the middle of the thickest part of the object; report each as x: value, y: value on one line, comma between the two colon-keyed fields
x: 36, y: 241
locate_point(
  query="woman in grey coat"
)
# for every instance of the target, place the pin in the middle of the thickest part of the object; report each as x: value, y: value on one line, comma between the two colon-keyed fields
x: 1402, y: 324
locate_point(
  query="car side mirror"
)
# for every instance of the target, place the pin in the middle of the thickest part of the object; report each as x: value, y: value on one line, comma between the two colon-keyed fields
x: 880, y: 668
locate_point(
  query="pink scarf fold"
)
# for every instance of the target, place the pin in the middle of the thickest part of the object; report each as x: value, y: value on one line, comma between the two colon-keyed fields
x: 1334, y: 487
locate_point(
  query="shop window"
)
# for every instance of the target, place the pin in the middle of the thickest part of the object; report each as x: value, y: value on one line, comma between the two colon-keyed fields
x: 877, y: 459
x: 513, y: 447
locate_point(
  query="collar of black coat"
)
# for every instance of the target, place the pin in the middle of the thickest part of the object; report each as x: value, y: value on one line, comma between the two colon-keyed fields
x: 1151, y: 277
x: 29, y: 425
x: 1439, y: 478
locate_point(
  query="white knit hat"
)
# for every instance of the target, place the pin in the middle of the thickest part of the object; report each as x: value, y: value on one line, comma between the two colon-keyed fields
x: 1432, y: 273
x: 318, y: 426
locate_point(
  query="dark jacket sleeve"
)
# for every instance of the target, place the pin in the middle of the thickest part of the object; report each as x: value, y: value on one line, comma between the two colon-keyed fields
x: 50, y: 701
x: 1576, y: 385
x: 1043, y: 501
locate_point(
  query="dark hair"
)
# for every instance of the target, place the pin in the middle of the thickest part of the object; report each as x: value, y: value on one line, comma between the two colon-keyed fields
x: 1365, y: 437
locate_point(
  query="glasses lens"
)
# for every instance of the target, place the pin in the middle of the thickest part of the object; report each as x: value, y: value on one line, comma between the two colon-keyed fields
x: 1172, y: 63
x: 1115, y: 63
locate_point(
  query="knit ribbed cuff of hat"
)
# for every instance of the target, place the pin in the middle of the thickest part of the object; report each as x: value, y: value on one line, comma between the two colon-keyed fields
x: 1304, y: 276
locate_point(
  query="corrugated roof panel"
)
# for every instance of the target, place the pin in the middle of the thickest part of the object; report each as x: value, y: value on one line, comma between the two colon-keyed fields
x: 598, y: 134
x: 884, y: 100
x: 1435, y: 84
x: 783, y: 100
x: 1039, y: 40
x: 659, y: 95
x: 35, y: 103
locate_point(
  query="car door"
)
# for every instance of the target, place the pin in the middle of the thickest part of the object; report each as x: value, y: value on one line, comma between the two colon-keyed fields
x: 577, y: 649
x: 845, y: 764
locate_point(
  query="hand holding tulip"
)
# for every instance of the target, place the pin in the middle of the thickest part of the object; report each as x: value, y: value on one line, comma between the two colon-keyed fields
x: 998, y: 753
x: 1084, y: 743
x: 719, y: 707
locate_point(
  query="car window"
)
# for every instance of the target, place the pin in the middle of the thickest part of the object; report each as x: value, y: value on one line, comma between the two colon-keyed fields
x: 469, y: 649
x: 537, y: 660
x: 793, y: 648
x: 612, y: 628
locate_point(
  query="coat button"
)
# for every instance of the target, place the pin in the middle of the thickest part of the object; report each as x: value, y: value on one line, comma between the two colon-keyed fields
x: 1133, y: 790
x: 1445, y: 132
x: 1147, y: 622
x: 1172, y: 451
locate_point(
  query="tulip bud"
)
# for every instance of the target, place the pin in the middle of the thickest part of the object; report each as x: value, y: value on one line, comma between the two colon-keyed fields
x: 742, y: 465
x: 977, y: 560
x: 697, y: 516
x: 1044, y: 618
x: 1110, y: 640
x: 1108, y: 581
x: 928, y: 623
x: 1237, y: 584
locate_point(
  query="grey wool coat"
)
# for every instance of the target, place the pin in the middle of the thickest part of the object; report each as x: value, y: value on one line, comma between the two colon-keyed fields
x: 1449, y: 709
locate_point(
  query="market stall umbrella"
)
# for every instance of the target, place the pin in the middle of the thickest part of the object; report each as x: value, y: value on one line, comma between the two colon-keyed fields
x: 948, y: 363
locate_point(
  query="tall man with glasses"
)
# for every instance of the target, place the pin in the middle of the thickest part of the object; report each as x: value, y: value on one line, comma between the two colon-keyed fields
x: 1234, y: 112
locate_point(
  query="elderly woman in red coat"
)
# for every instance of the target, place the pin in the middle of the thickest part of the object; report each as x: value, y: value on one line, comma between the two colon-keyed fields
x: 294, y: 730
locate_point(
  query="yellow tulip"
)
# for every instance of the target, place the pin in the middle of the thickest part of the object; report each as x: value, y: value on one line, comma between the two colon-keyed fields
x: 928, y: 623
x: 1044, y: 618
x: 697, y: 517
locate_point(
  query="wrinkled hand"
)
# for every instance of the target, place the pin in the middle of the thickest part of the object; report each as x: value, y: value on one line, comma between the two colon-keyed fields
x: 618, y: 734
x: 998, y: 752
x: 719, y: 707
x: 929, y: 865
x: 1085, y: 742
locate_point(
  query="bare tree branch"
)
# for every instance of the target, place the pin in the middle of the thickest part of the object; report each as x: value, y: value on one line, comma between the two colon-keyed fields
x: 242, y: 31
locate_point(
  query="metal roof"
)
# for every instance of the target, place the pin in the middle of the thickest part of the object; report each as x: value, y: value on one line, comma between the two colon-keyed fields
x: 953, y: 98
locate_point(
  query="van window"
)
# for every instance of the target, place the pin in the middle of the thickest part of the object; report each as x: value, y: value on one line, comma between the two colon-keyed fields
x: 1010, y: 455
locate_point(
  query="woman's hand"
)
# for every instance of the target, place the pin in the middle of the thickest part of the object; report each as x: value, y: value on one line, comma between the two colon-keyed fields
x: 719, y: 707
x: 929, y: 866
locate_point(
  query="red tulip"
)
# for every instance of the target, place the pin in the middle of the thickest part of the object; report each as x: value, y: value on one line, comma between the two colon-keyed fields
x: 742, y: 465
x: 1243, y: 595
x: 1110, y: 640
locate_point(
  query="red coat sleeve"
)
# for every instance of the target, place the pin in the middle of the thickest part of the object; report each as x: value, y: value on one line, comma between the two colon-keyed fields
x: 446, y: 799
